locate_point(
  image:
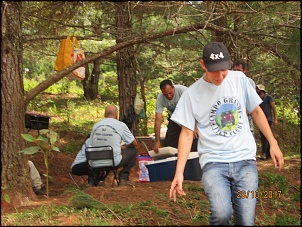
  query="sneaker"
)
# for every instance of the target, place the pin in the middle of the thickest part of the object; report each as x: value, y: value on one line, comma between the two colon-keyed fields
x: 103, y: 176
x: 41, y: 191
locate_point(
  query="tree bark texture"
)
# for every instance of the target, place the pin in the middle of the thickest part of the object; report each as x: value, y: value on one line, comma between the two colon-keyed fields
x: 14, y: 168
x: 125, y: 65
x: 91, y: 81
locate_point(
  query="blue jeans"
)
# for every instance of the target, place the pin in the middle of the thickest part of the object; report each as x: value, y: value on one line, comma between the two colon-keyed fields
x: 229, y: 188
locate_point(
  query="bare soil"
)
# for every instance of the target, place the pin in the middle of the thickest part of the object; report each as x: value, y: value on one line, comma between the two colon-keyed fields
x: 59, y: 167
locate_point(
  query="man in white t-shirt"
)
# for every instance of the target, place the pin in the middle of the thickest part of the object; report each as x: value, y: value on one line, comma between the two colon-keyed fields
x: 216, y: 104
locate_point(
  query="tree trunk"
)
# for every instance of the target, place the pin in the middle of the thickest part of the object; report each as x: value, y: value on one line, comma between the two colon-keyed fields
x: 142, y: 123
x: 219, y: 35
x: 125, y: 66
x: 15, y: 175
x: 91, y: 81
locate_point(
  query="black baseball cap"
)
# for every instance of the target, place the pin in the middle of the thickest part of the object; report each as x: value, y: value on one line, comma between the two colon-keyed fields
x: 216, y: 57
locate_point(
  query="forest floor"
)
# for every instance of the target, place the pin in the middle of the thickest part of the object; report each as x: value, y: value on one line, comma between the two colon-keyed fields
x: 59, y: 167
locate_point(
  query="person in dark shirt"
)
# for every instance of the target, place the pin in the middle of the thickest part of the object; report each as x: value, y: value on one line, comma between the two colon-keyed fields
x: 269, y: 109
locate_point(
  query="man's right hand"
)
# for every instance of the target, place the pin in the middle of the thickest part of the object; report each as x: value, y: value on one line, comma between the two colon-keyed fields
x: 156, y: 147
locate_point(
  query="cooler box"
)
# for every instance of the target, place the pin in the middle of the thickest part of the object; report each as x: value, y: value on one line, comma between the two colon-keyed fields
x: 164, y: 169
x: 163, y: 152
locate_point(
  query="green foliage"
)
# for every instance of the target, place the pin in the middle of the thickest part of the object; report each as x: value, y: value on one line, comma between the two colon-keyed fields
x: 83, y: 200
x: 73, y: 146
x: 4, y: 195
x: 273, y: 180
x: 288, y: 112
x: 284, y: 220
x: 66, y: 86
x: 39, y: 68
x: 29, y: 84
x: 297, y: 195
x: 195, y: 188
x: 46, y: 143
x: 63, y: 86
x: 108, y: 88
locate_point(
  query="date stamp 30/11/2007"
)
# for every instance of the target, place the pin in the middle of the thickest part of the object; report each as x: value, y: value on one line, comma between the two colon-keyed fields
x: 263, y: 194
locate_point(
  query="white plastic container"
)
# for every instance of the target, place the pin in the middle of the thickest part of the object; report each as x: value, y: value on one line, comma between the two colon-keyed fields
x: 164, y: 152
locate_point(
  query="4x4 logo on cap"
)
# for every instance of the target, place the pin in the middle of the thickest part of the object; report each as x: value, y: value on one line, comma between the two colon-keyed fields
x: 216, y: 56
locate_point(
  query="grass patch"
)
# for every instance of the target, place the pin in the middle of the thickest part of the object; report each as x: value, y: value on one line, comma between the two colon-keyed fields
x: 273, y: 180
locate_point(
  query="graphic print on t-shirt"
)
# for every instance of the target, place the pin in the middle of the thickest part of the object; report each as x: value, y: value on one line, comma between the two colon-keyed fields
x: 226, y: 117
x: 105, y: 134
